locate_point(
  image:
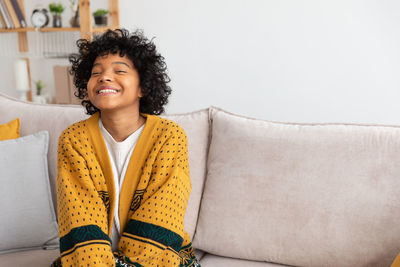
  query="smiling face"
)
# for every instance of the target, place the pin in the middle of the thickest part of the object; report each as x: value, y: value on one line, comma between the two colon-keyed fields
x: 114, y: 84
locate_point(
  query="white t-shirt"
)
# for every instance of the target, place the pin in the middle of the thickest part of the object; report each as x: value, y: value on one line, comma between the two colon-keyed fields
x: 119, y: 154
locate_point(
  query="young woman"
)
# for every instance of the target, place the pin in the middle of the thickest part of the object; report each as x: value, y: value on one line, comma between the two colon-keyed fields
x: 123, y: 176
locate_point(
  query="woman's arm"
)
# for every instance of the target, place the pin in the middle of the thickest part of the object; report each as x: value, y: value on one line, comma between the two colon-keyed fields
x: 82, y: 207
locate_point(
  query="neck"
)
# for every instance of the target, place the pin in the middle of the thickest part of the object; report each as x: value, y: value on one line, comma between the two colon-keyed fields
x: 121, y: 125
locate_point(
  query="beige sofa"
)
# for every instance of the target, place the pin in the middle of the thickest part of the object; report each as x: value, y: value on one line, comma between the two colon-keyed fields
x: 265, y: 193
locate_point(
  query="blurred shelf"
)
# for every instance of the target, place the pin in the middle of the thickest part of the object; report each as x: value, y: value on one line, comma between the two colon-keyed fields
x: 45, y: 29
x: 50, y: 29
x: 101, y: 29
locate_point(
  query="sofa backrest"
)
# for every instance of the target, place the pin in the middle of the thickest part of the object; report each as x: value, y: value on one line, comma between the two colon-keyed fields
x: 36, y: 117
x: 55, y: 118
x: 196, y: 125
x: 301, y: 194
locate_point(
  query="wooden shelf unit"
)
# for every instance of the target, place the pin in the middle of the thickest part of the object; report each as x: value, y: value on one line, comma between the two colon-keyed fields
x: 86, y: 28
x: 85, y: 16
x: 51, y: 29
x: 46, y: 29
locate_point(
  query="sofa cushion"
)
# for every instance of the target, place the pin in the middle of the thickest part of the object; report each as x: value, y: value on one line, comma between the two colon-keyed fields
x: 31, y: 258
x: 301, y: 194
x: 210, y: 260
x: 27, y: 216
x: 37, y: 117
x: 9, y: 130
x: 196, y: 126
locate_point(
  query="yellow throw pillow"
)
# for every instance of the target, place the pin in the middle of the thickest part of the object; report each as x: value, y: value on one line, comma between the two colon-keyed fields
x: 10, y: 130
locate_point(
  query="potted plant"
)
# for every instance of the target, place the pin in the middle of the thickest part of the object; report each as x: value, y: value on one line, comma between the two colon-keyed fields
x: 56, y: 9
x: 100, y: 17
x: 38, y: 97
x: 39, y: 86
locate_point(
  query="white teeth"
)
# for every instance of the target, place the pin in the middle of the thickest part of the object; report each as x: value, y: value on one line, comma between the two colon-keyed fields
x: 103, y: 91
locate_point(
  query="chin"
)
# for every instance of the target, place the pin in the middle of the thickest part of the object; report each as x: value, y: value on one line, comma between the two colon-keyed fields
x: 106, y: 105
x: 107, y: 108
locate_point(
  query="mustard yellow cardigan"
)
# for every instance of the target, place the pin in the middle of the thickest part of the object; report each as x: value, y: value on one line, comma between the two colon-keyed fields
x: 152, y: 205
x: 396, y: 262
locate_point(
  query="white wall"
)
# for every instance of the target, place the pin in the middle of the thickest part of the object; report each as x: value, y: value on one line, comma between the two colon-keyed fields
x: 285, y: 60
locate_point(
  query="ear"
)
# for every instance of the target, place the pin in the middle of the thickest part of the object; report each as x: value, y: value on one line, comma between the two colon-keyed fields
x: 140, y: 94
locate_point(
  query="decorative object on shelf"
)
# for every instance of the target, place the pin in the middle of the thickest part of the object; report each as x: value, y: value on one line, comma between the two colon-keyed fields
x: 18, y: 12
x: 5, y: 16
x: 39, y: 97
x: 11, y: 14
x: 40, y: 18
x: 39, y: 86
x: 100, y: 17
x: 21, y: 78
x: 74, y: 21
x: 64, y: 85
x: 56, y: 9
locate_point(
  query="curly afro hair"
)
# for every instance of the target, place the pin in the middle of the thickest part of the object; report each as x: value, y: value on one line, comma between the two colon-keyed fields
x: 142, y: 52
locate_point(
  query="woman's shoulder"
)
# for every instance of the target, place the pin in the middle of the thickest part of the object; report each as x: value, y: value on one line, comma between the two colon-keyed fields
x: 79, y: 127
x: 167, y: 126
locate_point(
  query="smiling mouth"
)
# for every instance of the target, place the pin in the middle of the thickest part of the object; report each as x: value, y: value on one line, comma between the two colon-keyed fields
x: 107, y: 91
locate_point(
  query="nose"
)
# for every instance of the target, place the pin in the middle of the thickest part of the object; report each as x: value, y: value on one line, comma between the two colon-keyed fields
x: 105, y: 77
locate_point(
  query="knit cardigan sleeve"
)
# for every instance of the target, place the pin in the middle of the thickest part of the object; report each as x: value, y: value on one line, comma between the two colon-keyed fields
x: 82, y: 209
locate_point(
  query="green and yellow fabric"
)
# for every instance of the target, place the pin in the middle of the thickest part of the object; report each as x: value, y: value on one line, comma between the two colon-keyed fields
x: 153, y: 198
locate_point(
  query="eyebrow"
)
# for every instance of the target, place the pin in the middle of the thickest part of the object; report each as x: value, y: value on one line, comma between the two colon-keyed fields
x: 116, y: 62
